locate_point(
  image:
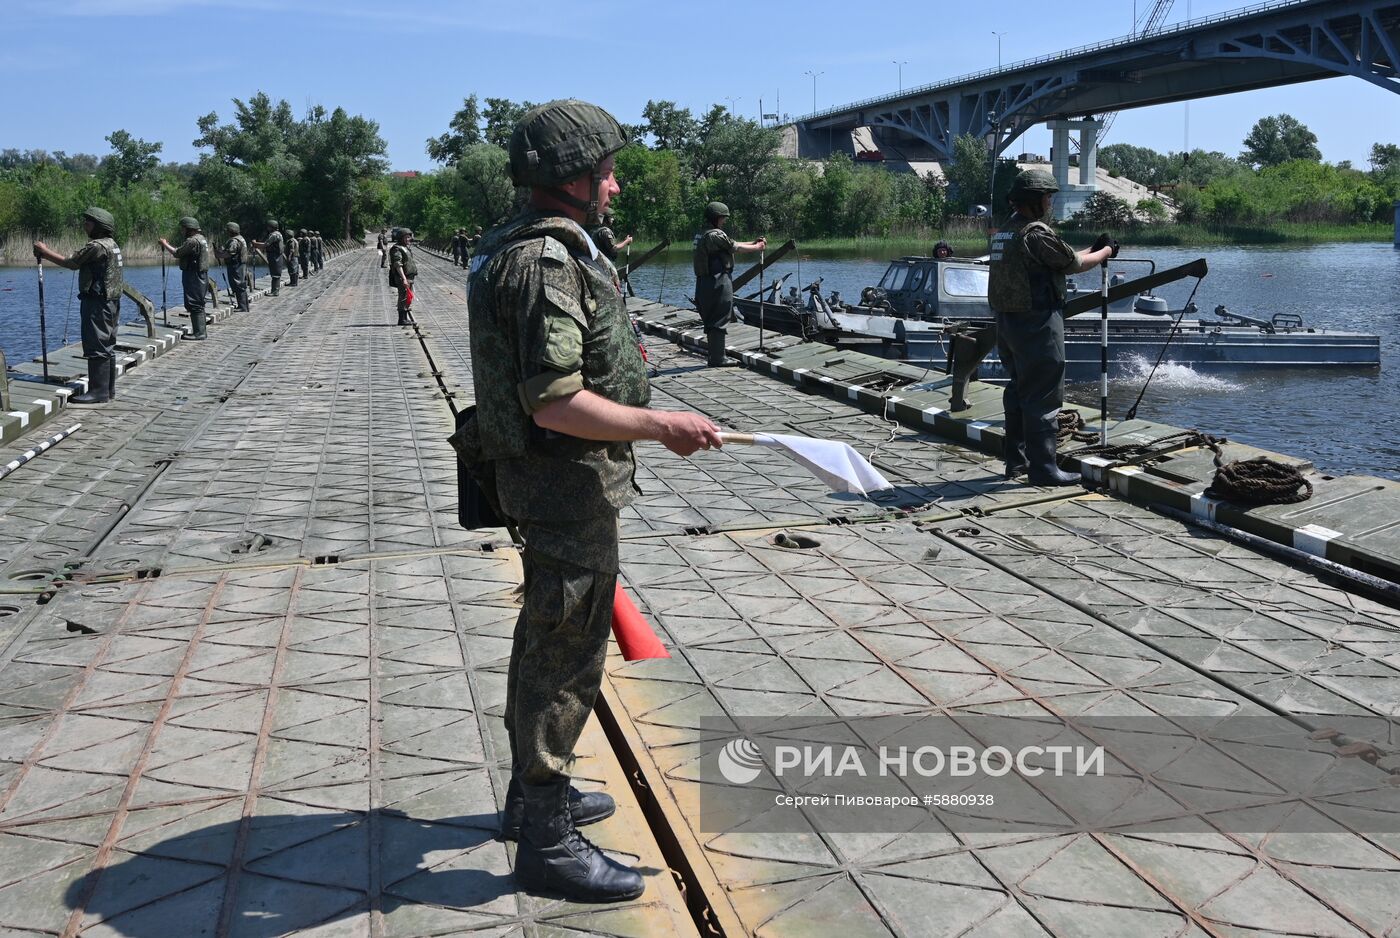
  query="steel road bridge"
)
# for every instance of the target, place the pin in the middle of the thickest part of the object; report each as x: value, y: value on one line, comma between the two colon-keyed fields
x: 1261, y: 46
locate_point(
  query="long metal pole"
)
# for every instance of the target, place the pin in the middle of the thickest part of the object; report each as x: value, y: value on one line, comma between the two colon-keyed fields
x: 1103, y: 354
x: 760, y: 301
x: 164, y: 309
x: 43, y: 322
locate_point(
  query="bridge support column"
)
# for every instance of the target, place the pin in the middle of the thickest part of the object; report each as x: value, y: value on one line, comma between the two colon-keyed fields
x: 1073, y: 195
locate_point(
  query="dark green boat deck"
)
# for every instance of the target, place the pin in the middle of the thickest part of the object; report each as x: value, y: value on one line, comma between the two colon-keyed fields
x: 253, y: 670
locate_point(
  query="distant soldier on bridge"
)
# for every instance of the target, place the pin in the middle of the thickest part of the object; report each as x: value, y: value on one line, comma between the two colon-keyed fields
x: 1026, y: 290
x: 713, y: 261
x: 272, y: 248
x: 193, y: 257
x: 235, y: 257
x: 403, y: 270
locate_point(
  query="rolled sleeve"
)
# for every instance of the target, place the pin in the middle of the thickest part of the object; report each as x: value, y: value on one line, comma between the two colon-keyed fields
x: 1049, y: 249
x: 547, y: 387
x: 84, y: 255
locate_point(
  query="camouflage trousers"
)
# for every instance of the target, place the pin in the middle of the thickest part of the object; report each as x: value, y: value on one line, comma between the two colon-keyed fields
x: 1032, y: 350
x: 561, y: 640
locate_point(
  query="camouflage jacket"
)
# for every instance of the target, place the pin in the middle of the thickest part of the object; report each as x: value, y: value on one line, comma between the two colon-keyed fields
x: 236, y: 250
x: 273, y: 245
x: 1027, y: 267
x: 548, y: 319
x: 99, y: 264
x: 713, y: 253
x: 401, y: 258
x: 193, y: 253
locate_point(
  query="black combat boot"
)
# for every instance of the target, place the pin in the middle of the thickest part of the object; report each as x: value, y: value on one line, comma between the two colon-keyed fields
x: 197, y: 324
x: 554, y: 856
x: 1040, y: 450
x: 99, y: 389
x: 112, y: 378
x: 276, y: 285
x: 585, y: 807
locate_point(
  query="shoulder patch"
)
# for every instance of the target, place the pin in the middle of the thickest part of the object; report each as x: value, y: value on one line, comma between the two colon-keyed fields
x: 554, y: 251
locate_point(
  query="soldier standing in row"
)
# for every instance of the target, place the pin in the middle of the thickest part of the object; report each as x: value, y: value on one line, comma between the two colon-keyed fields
x: 456, y: 246
x: 606, y: 239
x: 193, y: 258
x: 561, y: 393
x: 1026, y: 290
x: 289, y: 252
x: 318, y: 251
x: 99, y: 267
x: 272, y: 249
x: 235, y: 256
x: 403, y: 270
x: 713, y: 261
x: 304, y: 251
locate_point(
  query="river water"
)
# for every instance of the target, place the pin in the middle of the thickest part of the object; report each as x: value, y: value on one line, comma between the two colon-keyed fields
x: 1343, y: 421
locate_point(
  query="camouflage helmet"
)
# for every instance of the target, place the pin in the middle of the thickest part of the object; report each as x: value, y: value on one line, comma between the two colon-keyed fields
x: 301, y: 232
x: 1033, y: 182
x: 190, y: 222
x: 232, y: 228
x: 716, y: 210
x: 101, y: 218
x: 403, y: 233
x: 272, y: 224
x: 560, y: 141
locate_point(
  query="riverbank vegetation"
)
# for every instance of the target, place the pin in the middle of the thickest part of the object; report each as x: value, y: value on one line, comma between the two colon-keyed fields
x: 324, y: 171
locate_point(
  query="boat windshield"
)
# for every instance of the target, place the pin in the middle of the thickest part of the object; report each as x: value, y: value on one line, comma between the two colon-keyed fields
x: 965, y: 281
x: 894, y: 277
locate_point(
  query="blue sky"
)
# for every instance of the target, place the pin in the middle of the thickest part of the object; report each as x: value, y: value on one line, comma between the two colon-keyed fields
x: 407, y: 64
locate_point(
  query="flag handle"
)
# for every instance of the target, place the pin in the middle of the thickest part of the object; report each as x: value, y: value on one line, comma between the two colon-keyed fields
x: 728, y: 437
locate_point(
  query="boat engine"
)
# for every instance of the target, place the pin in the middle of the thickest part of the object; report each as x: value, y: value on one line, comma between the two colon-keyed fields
x: 1151, y: 305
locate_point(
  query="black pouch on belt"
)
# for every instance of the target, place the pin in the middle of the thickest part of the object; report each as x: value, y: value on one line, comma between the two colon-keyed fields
x: 477, y: 503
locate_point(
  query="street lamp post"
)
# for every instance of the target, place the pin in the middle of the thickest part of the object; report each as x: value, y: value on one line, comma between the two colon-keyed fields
x: 899, y: 65
x: 732, y: 102
x: 814, y: 76
x: 998, y: 35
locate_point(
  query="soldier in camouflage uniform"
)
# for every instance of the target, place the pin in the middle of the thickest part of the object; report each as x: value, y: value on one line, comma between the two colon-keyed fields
x: 713, y: 260
x: 99, y: 267
x: 1026, y: 290
x: 193, y: 256
x: 403, y: 270
x: 382, y: 245
x: 561, y: 393
x: 318, y: 251
x: 272, y: 248
x: 289, y: 254
x: 304, y: 251
x: 606, y: 239
x: 236, y: 255
x: 455, y: 247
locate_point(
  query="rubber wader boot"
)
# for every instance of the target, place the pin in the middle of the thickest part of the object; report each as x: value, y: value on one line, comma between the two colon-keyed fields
x: 1040, y: 449
x: 197, y: 324
x: 714, y: 342
x: 586, y: 807
x: 1013, y: 447
x: 554, y: 856
x: 99, y: 389
x: 276, y: 285
x: 111, y: 379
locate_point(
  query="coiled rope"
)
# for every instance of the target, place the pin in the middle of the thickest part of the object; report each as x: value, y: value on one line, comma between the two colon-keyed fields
x: 1257, y: 481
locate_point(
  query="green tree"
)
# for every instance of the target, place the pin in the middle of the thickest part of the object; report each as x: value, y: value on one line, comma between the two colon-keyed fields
x: 670, y: 126
x: 1151, y: 209
x: 132, y: 160
x: 967, y: 176
x: 1384, y: 156
x: 485, y: 186
x: 464, y: 130
x: 1140, y: 164
x: 1278, y: 139
x: 652, y: 201
x: 1104, y: 210
x: 501, y: 116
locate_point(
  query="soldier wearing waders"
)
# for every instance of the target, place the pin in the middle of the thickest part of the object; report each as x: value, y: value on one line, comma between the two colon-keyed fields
x: 606, y: 239
x: 304, y: 251
x: 99, y: 267
x: 318, y: 256
x: 193, y: 257
x: 713, y: 260
x: 561, y: 393
x: 289, y: 253
x: 1026, y: 290
x: 272, y: 248
x: 382, y: 245
x: 235, y: 255
x: 403, y: 270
